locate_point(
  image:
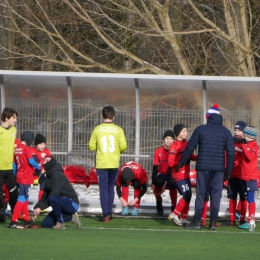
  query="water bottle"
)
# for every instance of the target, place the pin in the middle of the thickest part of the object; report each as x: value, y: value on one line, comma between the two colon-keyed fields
x: 252, y: 224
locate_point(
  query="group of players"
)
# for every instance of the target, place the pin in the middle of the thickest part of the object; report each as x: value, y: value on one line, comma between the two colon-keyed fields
x: 169, y: 174
x: 22, y: 166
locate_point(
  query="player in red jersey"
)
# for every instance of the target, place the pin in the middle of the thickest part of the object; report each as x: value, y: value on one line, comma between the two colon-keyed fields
x: 24, y: 177
x: 131, y: 173
x: 249, y: 171
x: 39, y: 153
x: 159, y: 174
x: 180, y: 176
x: 236, y: 184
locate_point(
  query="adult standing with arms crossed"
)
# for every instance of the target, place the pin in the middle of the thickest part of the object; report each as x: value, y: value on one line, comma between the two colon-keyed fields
x: 7, y: 139
x: 215, y: 146
x: 108, y: 140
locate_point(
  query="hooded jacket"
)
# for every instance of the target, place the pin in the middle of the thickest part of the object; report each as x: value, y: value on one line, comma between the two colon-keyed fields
x: 57, y: 184
x: 213, y: 141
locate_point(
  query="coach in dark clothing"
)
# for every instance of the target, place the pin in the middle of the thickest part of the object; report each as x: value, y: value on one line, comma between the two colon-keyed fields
x: 214, y: 141
x: 59, y: 194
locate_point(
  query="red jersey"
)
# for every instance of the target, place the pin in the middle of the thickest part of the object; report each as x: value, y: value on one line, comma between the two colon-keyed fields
x: 249, y: 162
x: 40, y: 155
x: 139, y: 173
x: 22, y: 154
x: 175, y: 153
x: 236, y: 173
x: 160, y: 158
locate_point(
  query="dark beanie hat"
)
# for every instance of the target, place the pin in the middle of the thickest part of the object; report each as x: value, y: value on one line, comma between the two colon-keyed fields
x: 39, y: 138
x: 240, y: 125
x: 160, y: 180
x: 127, y: 174
x: 177, y: 129
x: 50, y: 164
x: 28, y: 137
x: 168, y: 133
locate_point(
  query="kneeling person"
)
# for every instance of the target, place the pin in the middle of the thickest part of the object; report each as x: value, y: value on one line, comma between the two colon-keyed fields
x: 131, y: 173
x: 60, y: 195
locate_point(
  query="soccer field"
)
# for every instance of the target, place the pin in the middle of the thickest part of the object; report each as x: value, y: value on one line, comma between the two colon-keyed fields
x: 128, y: 238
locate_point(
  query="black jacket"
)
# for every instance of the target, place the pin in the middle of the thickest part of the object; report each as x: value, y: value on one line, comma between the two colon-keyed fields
x: 57, y: 184
x: 214, y: 141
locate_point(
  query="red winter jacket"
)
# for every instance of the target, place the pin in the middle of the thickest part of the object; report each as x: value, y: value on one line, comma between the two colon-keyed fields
x: 249, y: 163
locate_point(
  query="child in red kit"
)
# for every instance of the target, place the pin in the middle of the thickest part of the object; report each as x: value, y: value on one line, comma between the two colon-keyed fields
x: 159, y: 174
x: 24, y: 177
x: 39, y: 153
x: 131, y: 173
x: 181, y: 176
x: 236, y: 184
x: 249, y: 170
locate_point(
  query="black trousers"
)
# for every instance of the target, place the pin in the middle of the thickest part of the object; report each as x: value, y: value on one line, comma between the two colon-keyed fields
x: 7, y: 177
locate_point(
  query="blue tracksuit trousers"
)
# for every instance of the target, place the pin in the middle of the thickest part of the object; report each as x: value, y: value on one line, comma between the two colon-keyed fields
x: 208, y: 182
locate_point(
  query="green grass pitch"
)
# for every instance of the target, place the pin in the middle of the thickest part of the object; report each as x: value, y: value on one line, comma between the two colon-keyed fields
x: 128, y: 238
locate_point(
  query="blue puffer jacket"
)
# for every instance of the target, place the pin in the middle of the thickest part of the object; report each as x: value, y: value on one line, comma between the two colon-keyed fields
x: 214, y: 140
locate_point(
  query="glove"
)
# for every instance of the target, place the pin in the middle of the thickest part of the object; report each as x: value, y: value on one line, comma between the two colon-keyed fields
x: 178, y: 167
x: 38, y: 173
x: 36, y: 182
x: 188, y: 162
x: 226, y: 177
x: 228, y: 191
x: 243, y: 141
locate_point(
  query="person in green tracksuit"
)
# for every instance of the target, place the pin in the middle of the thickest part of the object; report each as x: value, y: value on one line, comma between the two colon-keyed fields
x: 108, y: 141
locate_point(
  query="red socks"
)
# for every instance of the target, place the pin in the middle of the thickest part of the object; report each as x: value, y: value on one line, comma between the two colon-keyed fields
x: 125, y: 193
x: 17, y: 209
x: 173, y: 195
x: 204, y: 210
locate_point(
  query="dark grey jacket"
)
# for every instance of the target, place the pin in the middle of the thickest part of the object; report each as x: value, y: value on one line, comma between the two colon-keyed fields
x: 215, y: 143
x: 57, y: 184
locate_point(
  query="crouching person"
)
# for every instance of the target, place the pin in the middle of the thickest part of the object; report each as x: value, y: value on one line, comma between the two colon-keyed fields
x: 60, y: 195
x: 131, y: 173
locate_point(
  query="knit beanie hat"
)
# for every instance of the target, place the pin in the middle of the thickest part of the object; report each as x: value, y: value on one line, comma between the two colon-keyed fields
x: 168, y: 133
x: 250, y: 132
x: 50, y: 164
x: 213, y: 110
x: 28, y: 137
x: 240, y: 125
x: 39, y: 138
x: 177, y: 129
x: 160, y: 180
x: 127, y: 174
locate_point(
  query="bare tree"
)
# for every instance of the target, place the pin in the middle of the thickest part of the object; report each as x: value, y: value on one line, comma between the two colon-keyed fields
x: 192, y: 37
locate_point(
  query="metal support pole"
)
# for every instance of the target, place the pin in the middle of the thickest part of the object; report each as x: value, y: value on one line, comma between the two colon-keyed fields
x: 70, y: 121
x: 2, y: 87
x: 137, y: 120
x: 205, y: 100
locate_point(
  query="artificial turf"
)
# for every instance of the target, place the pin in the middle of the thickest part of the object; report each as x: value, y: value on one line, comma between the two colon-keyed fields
x: 128, y: 238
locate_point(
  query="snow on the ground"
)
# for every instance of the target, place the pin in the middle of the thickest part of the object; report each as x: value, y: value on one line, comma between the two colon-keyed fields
x: 89, y: 201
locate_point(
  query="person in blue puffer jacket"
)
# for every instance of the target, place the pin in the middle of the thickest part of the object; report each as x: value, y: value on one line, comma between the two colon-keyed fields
x: 215, y: 160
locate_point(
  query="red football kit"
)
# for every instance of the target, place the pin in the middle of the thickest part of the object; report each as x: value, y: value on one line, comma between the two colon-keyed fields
x: 160, y: 158
x: 40, y: 154
x: 236, y: 173
x: 175, y: 153
x: 139, y: 173
x: 22, y: 154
